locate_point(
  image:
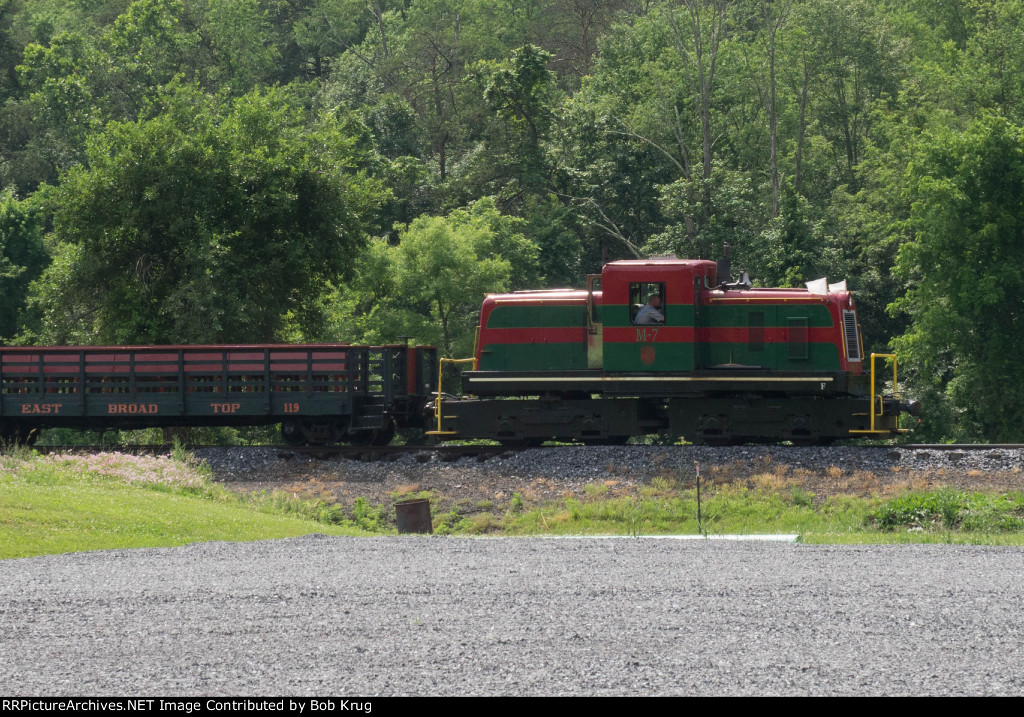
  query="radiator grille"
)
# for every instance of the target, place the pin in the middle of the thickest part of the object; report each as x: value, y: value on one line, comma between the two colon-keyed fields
x: 850, y: 334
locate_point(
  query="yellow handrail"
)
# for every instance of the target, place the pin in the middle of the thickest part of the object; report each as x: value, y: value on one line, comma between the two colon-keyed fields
x: 878, y: 400
x: 437, y: 402
x: 895, y: 390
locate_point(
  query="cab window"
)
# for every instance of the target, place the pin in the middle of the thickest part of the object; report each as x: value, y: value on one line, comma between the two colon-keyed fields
x: 640, y: 293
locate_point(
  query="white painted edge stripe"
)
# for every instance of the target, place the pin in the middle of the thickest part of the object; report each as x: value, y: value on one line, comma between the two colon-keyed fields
x: 771, y: 538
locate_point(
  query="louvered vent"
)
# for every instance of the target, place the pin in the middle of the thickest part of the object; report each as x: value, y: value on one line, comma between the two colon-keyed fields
x: 850, y: 334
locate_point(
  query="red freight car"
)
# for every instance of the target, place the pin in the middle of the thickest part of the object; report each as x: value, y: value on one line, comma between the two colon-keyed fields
x: 320, y: 393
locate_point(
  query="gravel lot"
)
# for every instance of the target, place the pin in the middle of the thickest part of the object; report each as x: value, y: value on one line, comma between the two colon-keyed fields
x: 350, y: 616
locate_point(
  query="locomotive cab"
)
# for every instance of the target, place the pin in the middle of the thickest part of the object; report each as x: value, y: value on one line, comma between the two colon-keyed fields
x: 663, y: 347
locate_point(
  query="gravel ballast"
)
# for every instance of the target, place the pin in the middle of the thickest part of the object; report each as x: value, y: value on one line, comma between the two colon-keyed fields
x: 321, y: 615
x: 643, y: 462
x: 553, y: 473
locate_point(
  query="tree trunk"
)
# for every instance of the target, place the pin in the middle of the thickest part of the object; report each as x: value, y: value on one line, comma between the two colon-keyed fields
x: 801, y: 129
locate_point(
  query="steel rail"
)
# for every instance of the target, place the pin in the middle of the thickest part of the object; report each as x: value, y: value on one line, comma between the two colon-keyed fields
x: 450, y: 452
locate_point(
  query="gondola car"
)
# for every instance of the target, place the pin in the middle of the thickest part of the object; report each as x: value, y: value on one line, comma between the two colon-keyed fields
x: 319, y: 393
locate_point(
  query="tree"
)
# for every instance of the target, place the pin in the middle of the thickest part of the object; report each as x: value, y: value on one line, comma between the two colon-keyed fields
x: 966, y: 295
x: 429, y: 287
x: 773, y: 18
x: 22, y: 258
x: 206, y: 223
x: 856, y: 62
x: 239, y: 32
x: 444, y: 267
x: 521, y: 94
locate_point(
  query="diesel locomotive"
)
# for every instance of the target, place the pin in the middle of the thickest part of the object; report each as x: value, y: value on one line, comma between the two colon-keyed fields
x: 726, y: 363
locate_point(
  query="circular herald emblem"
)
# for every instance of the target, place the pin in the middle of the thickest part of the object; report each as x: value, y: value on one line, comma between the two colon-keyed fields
x: 647, y: 355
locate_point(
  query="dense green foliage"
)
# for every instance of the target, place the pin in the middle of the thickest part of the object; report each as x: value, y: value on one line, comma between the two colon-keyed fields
x: 181, y: 228
x: 235, y: 170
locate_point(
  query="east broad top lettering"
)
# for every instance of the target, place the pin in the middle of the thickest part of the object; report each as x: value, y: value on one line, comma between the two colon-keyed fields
x: 47, y: 408
x: 132, y: 408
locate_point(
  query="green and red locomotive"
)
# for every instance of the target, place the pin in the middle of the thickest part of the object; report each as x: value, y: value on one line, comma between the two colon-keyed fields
x: 722, y: 362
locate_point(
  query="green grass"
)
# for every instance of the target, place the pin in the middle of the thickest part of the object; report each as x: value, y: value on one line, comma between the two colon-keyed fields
x: 58, y: 504
x: 67, y: 503
x: 728, y: 510
x: 942, y: 516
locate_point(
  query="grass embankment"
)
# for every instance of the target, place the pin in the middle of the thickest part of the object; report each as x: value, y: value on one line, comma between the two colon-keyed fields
x: 944, y: 515
x: 66, y: 503
x: 770, y: 503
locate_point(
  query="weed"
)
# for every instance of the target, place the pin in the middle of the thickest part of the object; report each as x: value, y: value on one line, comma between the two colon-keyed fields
x: 573, y: 506
x: 16, y: 451
x: 801, y: 496
x: 517, y: 504
x: 950, y: 510
x: 285, y: 503
x: 663, y: 485
x: 633, y: 518
x: 413, y: 494
x: 595, y: 491
x: 179, y: 453
x: 366, y: 516
x: 448, y: 523
x: 483, y: 523
x: 660, y: 486
x: 768, y: 482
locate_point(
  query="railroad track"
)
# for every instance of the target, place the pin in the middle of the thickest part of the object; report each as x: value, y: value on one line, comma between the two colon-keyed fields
x: 359, y: 453
x: 959, y: 446
x: 446, y: 453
